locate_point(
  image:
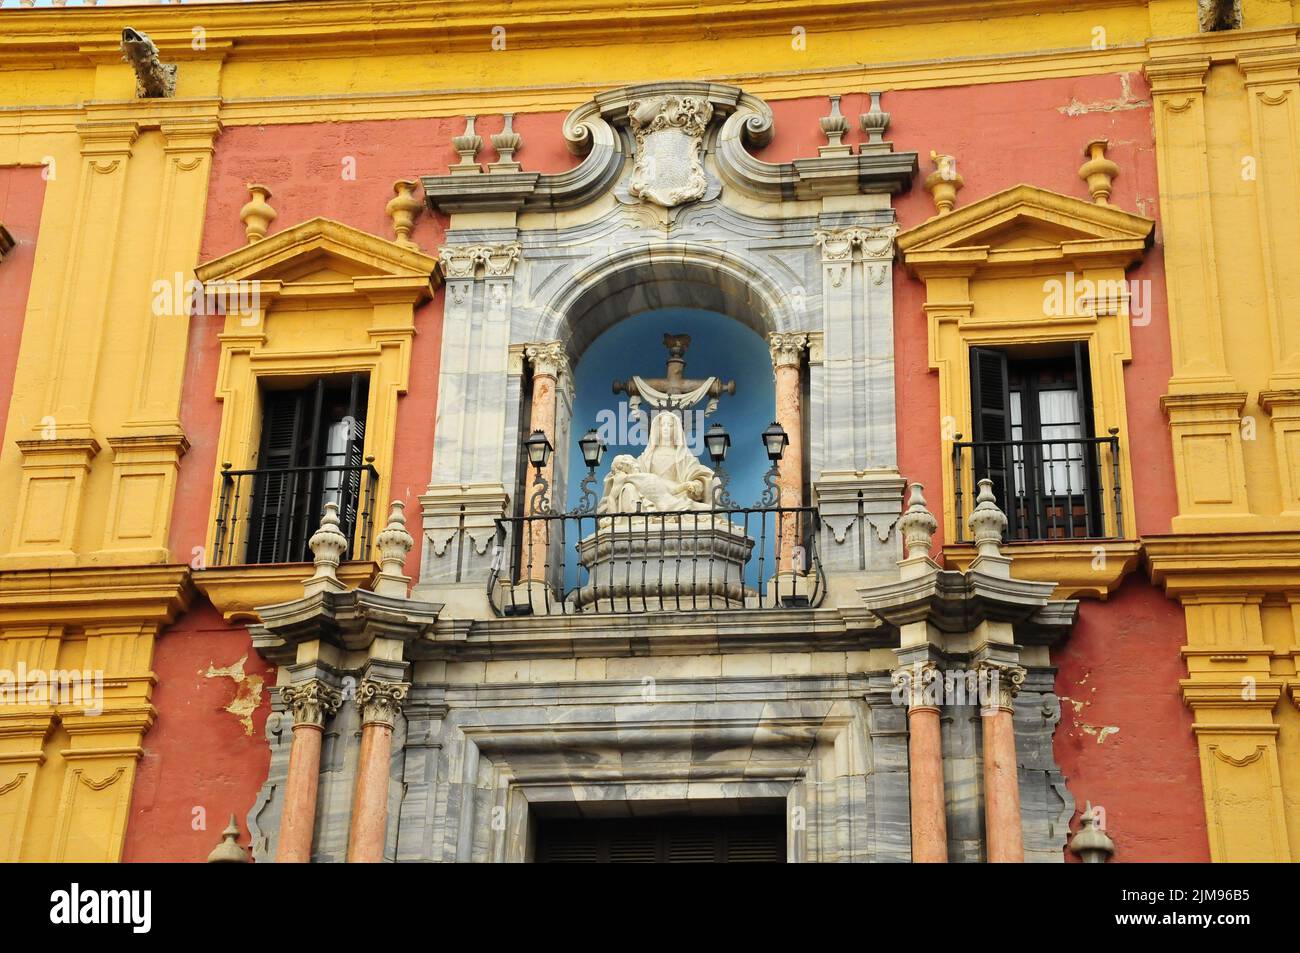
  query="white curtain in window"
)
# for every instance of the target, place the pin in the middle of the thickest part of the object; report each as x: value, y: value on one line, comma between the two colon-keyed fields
x: 1058, y: 414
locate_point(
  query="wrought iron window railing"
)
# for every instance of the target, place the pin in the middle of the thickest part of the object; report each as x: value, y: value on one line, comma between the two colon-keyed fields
x: 1049, y: 489
x: 578, y: 564
x: 268, y: 515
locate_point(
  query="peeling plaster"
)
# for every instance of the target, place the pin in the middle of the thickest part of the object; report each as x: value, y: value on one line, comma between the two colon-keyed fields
x: 248, y: 691
x: 1101, y: 731
x: 1126, y: 101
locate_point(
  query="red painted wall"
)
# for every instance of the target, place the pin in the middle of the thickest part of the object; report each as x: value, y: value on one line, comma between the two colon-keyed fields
x: 1120, y: 668
x: 198, y: 755
x: 22, y: 194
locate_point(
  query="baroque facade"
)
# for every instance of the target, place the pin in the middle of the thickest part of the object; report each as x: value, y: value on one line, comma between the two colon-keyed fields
x: 304, y: 336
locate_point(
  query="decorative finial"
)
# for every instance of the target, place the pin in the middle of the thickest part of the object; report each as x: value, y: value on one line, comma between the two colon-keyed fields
x: 257, y: 214
x: 1098, y: 171
x: 1090, y: 842
x: 327, y: 544
x: 506, y: 142
x: 918, y: 524
x: 987, y: 522
x: 835, y: 127
x: 394, y: 543
x: 403, y: 207
x: 943, y: 182
x: 874, y: 122
x: 228, y: 850
x: 467, y: 145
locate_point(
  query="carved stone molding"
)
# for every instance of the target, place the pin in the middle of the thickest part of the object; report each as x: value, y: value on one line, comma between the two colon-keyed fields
x: 1005, y: 679
x: 470, y: 261
x: 549, y: 359
x: 311, y: 702
x: 381, y: 701
x: 669, y: 133
x: 874, y: 243
x: 787, y: 348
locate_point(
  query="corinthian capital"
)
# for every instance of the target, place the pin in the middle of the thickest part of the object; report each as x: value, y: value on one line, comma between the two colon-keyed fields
x: 999, y: 684
x: 380, y: 701
x: 311, y: 702
x: 548, y: 359
x: 787, y: 348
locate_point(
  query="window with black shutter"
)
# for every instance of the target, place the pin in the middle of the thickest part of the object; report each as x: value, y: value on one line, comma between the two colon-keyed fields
x: 310, y: 454
x: 1033, y: 437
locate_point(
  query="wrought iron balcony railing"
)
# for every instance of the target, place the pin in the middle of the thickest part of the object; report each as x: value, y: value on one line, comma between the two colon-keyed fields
x: 268, y: 515
x: 1049, y: 489
x: 563, y: 564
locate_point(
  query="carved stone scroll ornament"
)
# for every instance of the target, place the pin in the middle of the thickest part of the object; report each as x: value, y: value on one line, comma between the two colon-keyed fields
x: 311, y: 702
x: 669, y: 133
x: 493, y: 261
x: 381, y: 701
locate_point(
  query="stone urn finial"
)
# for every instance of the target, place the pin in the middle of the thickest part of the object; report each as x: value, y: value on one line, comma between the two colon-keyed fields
x: 394, y: 544
x: 918, y: 524
x: 402, y: 208
x: 944, y: 182
x: 328, y: 545
x: 228, y: 850
x: 987, y: 522
x: 257, y: 214
x: 1090, y: 842
x: 506, y: 142
x: 467, y: 145
x: 874, y: 123
x: 835, y: 126
x: 1098, y: 171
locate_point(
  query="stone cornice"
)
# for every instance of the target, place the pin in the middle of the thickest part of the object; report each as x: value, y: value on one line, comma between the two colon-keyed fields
x: 341, y: 27
x: 614, y: 636
x: 1227, y: 566
x: 956, y: 602
x: 350, y: 619
x: 152, y: 594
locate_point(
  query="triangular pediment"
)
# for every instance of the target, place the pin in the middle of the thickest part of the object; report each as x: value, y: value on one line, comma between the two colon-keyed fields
x: 319, y: 251
x: 1025, y: 222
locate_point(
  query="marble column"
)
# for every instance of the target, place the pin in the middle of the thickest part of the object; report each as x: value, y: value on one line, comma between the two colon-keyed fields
x: 549, y: 363
x: 787, y: 359
x: 310, y: 703
x: 1004, y: 836
x: 925, y: 763
x: 379, y: 701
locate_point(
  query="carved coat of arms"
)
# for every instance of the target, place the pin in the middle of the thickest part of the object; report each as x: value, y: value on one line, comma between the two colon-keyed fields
x: 669, y: 132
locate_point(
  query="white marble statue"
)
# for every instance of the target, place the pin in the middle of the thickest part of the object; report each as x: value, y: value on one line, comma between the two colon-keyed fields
x: 665, y: 478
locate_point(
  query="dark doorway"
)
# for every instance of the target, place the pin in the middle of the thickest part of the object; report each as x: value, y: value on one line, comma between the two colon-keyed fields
x: 747, y: 839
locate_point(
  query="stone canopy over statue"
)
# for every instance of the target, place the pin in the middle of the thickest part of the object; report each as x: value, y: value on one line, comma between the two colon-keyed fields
x: 665, y: 478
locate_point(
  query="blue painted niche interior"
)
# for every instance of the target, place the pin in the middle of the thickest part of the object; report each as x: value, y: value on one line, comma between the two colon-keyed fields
x: 720, y: 346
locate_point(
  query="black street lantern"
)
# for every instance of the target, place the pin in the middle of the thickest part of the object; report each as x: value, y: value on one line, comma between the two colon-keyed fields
x: 593, y: 449
x: 718, y: 441
x: 775, y: 440
x: 539, y: 449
